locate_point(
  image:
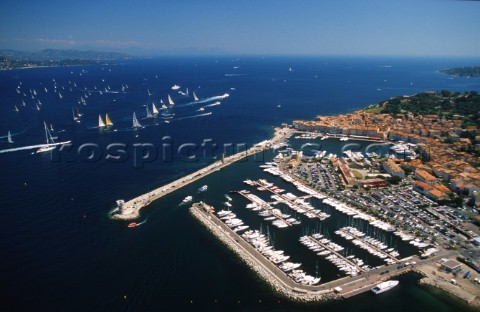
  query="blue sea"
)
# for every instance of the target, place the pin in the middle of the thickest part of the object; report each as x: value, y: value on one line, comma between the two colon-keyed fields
x: 60, y: 250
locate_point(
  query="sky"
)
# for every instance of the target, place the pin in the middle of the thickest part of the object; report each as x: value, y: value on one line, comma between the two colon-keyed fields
x: 297, y: 27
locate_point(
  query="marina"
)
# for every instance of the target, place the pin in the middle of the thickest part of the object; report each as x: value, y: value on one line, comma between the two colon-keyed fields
x: 282, y: 282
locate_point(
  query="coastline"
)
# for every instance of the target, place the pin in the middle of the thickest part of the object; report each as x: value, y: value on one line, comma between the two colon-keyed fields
x: 439, y: 280
x: 319, y: 293
x: 51, y: 66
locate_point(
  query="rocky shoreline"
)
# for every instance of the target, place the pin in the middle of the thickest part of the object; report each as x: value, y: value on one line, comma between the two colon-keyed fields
x: 446, y: 286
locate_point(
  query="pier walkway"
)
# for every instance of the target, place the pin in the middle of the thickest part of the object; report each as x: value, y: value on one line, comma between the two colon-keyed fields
x: 332, y: 251
x: 371, y: 246
x: 293, y: 203
x: 265, y: 206
x: 128, y: 210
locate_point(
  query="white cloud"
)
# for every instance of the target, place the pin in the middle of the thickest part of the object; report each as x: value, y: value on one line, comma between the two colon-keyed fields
x: 116, y: 43
x: 52, y: 41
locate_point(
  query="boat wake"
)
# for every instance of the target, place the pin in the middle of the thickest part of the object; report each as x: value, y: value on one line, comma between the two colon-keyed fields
x: 206, y: 100
x: 23, y: 148
x: 213, y: 104
x: 235, y: 75
x: 195, y: 116
x: 144, y: 221
x: 135, y: 224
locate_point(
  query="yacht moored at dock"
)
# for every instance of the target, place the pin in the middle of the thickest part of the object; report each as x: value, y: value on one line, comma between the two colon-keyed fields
x: 385, y: 286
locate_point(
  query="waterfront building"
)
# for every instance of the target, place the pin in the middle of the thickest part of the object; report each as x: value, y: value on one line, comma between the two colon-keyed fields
x: 451, y: 266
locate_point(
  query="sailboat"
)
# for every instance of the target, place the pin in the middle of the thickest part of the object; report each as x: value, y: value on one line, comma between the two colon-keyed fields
x: 9, y: 136
x: 163, y: 105
x: 16, y: 108
x: 50, y: 143
x: 75, y: 117
x: 23, y: 103
x: 78, y: 113
x: 51, y: 129
x: 108, y: 122
x: 170, y: 101
x: 195, y: 98
x: 149, y: 113
x: 101, y: 124
x: 154, y: 109
x: 136, y: 124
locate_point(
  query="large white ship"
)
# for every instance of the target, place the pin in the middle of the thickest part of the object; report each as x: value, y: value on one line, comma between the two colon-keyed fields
x: 383, y: 287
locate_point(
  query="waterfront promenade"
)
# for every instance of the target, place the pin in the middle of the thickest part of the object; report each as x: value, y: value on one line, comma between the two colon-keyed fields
x: 130, y: 209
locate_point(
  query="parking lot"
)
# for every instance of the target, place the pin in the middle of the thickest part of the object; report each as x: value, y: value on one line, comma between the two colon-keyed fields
x: 400, y: 205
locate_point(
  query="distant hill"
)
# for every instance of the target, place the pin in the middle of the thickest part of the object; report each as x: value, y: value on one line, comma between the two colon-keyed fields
x: 445, y: 104
x: 59, y: 55
x: 11, y: 59
x: 473, y: 71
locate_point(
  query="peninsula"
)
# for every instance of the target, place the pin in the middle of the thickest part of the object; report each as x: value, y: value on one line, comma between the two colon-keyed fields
x: 472, y: 71
x: 422, y: 192
x: 11, y: 59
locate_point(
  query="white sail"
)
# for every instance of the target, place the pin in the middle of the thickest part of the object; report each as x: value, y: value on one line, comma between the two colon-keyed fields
x: 16, y: 108
x: 9, y: 137
x: 186, y: 91
x: 136, y: 124
x: 154, y: 109
x: 195, y: 96
x: 170, y: 101
x: 75, y: 117
x: 100, y: 122
x: 50, y: 143
x: 149, y: 113
x: 163, y: 104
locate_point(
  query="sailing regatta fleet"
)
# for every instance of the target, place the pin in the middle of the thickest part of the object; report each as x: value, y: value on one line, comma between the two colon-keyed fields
x: 73, y: 93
